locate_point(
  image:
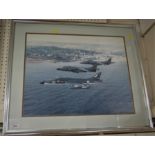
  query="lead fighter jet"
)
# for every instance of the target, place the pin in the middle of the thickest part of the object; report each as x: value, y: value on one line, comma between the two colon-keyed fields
x: 78, y: 69
x: 95, y: 78
x: 96, y: 62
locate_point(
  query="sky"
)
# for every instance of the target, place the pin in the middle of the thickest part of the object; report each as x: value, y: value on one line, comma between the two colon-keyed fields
x: 97, y: 43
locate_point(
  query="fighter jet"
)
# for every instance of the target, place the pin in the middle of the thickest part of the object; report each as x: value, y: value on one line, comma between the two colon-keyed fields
x: 95, y: 78
x: 72, y: 69
x: 78, y: 69
x: 97, y: 62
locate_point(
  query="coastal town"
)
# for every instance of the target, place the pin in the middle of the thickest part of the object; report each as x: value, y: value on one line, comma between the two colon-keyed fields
x: 58, y: 54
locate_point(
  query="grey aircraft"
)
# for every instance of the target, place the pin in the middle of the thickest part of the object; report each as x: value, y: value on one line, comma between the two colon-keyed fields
x: 94, y: 62
x: 78, y: 69
x: 95, y: 78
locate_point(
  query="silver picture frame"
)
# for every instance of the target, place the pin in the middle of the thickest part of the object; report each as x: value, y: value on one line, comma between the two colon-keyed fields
x: 14, y: 124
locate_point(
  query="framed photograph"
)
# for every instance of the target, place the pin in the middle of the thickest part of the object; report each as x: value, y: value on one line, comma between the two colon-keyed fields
x: 69, y: 77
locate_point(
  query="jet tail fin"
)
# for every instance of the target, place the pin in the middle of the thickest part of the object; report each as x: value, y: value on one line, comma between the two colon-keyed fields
x: 97, y: 75
x: 108, y: 61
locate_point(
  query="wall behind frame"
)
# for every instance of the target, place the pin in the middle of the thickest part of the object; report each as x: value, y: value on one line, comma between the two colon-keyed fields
x: 148, y: 55
x: 149, y: 45
x: 0, y: 72
x: 4, y: 49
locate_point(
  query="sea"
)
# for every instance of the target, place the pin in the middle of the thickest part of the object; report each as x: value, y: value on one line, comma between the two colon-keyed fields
x: 112, y: 95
